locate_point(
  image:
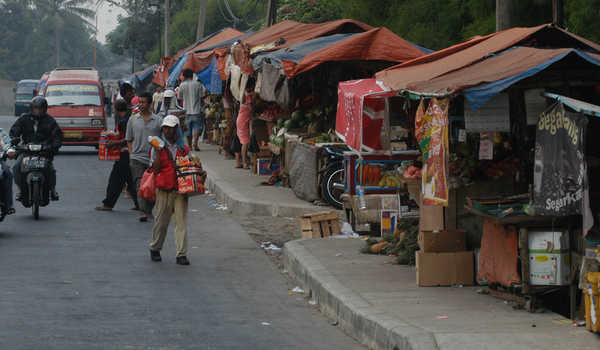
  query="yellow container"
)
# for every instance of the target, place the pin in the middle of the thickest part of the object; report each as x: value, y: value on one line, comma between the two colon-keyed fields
x: 592, y: 302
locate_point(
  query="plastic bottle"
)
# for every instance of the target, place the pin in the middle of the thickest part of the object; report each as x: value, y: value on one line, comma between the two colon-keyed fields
x: 155, y: 141
x: 362, y: 201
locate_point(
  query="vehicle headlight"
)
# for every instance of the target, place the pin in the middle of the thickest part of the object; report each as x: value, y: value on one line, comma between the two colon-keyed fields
x: 97, y: 122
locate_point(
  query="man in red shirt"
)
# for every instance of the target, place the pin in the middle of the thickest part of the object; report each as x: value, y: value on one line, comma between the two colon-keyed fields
x: 168, y: 202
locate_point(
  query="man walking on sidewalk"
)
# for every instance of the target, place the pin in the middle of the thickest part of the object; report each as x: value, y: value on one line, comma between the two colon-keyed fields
x: 139, y: 127
x: 192, y: 93
x: 121, y: 172
x: 168, y: 202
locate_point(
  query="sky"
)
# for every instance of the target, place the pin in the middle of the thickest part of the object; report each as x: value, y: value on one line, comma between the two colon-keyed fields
x: 107, y: 19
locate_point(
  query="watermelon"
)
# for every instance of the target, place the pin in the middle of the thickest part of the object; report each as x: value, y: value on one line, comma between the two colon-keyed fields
x: 297, y: 115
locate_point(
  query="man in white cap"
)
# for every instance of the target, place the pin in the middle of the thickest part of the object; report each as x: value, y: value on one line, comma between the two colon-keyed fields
x: 168, y: 202
x: 169, y: 105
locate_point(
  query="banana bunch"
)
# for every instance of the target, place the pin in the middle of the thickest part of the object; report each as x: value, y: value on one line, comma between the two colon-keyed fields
x: 390, y: 180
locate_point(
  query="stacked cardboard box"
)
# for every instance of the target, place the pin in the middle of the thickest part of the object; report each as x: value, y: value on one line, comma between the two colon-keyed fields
x: 442, y: 259
x: 264, y: 152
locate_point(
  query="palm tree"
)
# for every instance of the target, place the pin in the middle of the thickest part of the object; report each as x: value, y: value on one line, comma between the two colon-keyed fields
x: 60, y: 9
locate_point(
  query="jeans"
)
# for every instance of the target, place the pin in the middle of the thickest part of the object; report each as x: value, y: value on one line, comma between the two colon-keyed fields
x: 119, y: 176
x: 137, y: 171
x: 49, y: 173
x: 6, y: 185
x: 194, y: 122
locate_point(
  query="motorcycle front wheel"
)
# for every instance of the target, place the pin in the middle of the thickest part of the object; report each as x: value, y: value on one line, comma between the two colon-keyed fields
x: 35, y: 199
x: 332, y: 186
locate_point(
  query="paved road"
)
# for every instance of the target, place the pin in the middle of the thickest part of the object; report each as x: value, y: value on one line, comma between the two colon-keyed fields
x: 80, y: 279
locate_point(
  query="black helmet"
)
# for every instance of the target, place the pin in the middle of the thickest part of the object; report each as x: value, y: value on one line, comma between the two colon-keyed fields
x: 124, y: 87
x: 39, y: 102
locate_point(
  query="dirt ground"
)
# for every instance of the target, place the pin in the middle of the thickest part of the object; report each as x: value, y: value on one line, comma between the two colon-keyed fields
x: 277, y: 230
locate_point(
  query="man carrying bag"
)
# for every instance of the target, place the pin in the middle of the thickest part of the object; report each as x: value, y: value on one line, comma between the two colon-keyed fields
x: 169, y: 202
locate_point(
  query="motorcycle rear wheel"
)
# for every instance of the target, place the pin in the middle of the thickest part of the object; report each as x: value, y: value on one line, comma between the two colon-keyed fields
x: 332, y: 193
x: 36, y: 198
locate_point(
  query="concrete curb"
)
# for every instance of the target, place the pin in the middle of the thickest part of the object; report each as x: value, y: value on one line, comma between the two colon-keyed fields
x: 355, y: 316
x: 242, y: 206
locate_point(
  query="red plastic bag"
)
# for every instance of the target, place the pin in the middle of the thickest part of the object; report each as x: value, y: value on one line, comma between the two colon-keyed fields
x: 147, y: 186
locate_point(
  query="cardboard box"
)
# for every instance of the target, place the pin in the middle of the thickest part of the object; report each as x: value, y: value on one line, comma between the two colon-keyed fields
x: 444, y: 269
x: 264, y: 167
x: 445, y: 241
x: 431, y: 218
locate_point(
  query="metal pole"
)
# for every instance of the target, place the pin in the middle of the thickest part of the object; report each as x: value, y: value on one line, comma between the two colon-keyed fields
x: 166, y: 28
x: 503, y: 14
x: 271, y: 12
x: 557, y: 13
x: 95, y: 36
x: 201, y: 20
x: 131, y: 38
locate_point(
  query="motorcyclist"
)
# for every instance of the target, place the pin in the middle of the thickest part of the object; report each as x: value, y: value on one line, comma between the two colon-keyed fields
x: 6, y: 176
x: 40, y: 128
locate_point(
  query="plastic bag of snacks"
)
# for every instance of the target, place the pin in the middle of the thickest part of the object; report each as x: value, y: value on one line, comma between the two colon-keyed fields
x: 106, y: 153
x: 190, y: 176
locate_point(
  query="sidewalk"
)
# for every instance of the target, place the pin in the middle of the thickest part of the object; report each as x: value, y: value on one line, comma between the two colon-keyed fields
x: 380, y: 305
x: 242, y: 192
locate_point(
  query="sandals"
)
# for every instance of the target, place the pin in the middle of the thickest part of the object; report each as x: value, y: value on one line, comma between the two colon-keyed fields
x: 103, y: 208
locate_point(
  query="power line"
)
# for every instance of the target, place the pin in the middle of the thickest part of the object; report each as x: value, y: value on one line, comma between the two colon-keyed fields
x: 222, y: 12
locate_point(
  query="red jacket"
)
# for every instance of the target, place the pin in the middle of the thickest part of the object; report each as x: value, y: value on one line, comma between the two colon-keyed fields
x: 166, y: 178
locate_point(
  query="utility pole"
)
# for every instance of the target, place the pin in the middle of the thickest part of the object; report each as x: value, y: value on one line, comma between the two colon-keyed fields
x: 201, y: 20
x: 131, y: 38
x: 166, y: 28
x: 503, y: 14
x: 98, y: 4
x: 271, y: 13
x: 557, y: 13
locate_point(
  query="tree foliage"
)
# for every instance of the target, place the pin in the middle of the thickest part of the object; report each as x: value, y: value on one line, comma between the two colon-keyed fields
x: 27, y: 43
x: 430, y: 23
x: 308, y: 11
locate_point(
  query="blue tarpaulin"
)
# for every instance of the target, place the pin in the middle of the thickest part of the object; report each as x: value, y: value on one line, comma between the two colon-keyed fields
x: 295, y: 53
x: 176, y: 69
x: 210, y: 78
x: 576, y: 105
x: 477, y: 96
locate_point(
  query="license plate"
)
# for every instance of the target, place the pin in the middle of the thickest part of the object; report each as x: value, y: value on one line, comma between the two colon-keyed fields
x: 73, y: 134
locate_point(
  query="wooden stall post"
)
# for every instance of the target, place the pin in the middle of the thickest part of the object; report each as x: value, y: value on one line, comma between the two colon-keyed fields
x: 524, y: 253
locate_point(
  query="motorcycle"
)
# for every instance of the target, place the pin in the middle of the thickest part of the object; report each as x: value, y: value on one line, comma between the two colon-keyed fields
x: 3, y: 206
x: 36, y: 188
x: 333, y: 175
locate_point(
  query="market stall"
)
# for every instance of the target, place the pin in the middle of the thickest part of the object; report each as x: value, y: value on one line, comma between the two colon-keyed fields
x: 483, y: 112
x: 296, y: 90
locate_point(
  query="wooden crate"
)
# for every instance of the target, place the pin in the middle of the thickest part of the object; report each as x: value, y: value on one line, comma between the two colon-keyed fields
x: 322, y: 224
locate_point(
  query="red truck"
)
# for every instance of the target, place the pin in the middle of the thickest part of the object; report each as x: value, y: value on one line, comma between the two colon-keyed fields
x: 76, y: 100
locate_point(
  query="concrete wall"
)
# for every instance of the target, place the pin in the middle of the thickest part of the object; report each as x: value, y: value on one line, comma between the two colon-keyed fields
x: 7, y: 97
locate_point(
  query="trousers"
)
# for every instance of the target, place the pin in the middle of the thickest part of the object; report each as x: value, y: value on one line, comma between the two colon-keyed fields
x: 137, y: 171
x: 120, y: 176
x: 169, y: 204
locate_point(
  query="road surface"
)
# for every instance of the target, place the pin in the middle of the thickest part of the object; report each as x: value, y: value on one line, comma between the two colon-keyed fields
x: 82, y: 279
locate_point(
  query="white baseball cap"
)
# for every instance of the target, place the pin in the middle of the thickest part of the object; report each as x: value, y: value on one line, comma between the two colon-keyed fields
x: 170, y: 121
x: 169, y: 93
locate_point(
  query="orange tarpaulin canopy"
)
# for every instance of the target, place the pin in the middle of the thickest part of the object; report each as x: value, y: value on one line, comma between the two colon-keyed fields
x: 294, y: 32
x: 464, y: 54
x: 376, y: 44
x: 220, y: 37
x: 507, y: 64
